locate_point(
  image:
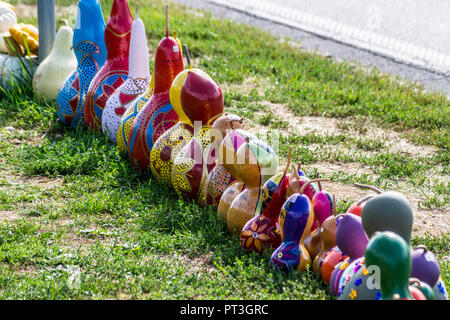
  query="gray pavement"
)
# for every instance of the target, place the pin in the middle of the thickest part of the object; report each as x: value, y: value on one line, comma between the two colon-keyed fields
x: 315, y: 32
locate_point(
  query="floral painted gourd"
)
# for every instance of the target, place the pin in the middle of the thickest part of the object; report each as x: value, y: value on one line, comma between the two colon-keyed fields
x: 352, y: 241
x: 296, y: 219
x: 137, y: 82
x: 90, y: 50
x: 202, y: 101
x: 263, y: 229
x: 256, y: 163
x: 115, y: 70
x: 219, y: 178
x: 158, y: 115
x: 228, y: 158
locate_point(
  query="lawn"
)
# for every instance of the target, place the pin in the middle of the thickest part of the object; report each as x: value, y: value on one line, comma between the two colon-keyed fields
x: 78, y: 222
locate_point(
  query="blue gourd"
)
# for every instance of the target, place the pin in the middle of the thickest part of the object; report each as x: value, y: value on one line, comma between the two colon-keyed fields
x: 90, y: 50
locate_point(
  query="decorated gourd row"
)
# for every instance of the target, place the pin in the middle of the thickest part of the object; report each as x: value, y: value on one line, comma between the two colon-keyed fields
x: 173, y: 124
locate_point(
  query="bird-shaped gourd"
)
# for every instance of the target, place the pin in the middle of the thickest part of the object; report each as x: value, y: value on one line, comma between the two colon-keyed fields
x: 296, y: 219
x: 202, y: 101
x: 352, y: 240
x: 228, y: 158
x: 90, y: 51
x: 324, y: 206
x: 390, y: 254
x: 114, y: 71
x: 263, y: 230
x: 158, y: 115
x: 137, y: 82
x: 219, y: 178
x: 256, y: 163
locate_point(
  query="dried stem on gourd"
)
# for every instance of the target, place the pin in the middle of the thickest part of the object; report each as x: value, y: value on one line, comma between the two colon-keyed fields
x: 137, y: 12
x: 188, y: 56
x: 296, y: 171
x: 167, y: 20
x: 334, y: 205
x: 421, y: 246
x: 365, y: 186
x: 288, y: 162
x: 309, y: 182
x: 364, y: 199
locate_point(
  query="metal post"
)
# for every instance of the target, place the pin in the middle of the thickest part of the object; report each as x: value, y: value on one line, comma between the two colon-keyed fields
x: 47, y: 27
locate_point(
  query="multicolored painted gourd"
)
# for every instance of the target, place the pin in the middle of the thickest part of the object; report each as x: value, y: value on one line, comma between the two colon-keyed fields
x: 324, y: 206
x: 170, y: 143
x: 387, y: 211
x: 115, y: 70
x: 424, y: 287
x: 391, y: 255
x: 352, y: 241
x: 219, y: 178
x: 296, y: 219
x: 90, y: 50
x: 297, y: 181
x: 256, y: 163
x: 330, y: 260
x: 263, y: 230
x: 137, y: 82
x: 202, y: 101
x: 158, y: 115
x: 440, y: 291
x: 228, y: 158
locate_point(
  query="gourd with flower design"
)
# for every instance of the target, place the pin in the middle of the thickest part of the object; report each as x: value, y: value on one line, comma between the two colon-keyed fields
x: 157, y: 115
x: 114, y: 72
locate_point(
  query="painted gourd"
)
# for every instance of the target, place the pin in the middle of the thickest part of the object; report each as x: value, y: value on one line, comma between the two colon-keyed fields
x: 158, y: 115
x: 219, y: 178
x: 256, y: 163
x: 202, y: 102
x: 90, y: 50
x: 440, y: 291
x: 296, y: 219
x: 330, y: 260
x: 137, y: 82
x: 387, y: 211
x: 425, y: 266
x: 324, y: 206
x: 424, y: 287
x: 352, y: 241
x: 114, y: 71
x: 391, y: 254
x: 228, y: 158
x: 263, y: 230
x: 56, y: 67
x: 297, y: 181
x: 327, y: 234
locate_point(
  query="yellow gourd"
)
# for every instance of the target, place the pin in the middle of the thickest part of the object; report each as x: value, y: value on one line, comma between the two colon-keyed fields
x: 31, y: 30
x: 21, y: 36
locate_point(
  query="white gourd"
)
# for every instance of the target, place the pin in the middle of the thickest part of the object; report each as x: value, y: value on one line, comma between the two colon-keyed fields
x: 7, y: 20
x: 56, y: 67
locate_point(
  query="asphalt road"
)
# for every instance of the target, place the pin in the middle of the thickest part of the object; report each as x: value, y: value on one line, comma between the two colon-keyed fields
x: 405, y: 38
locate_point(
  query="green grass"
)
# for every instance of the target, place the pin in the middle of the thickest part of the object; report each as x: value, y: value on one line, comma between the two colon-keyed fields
x: 82, y: 223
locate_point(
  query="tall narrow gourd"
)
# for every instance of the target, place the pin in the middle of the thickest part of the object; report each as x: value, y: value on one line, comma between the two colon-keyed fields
x: 137, y: 82
x: 158, y: 115
x: 115, y: 70
x: 90, y: 50
x: 55, y: 68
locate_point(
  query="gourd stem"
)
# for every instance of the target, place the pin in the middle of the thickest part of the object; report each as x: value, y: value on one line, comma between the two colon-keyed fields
x: 364, y: 199
x: 296, y: 172
x: 421, y: 246
x: 414, y: 280
x: 167, y: 20
x: 137, y: 13
x: 288, y: 161
x: 318, y: 183
x: 334, y: 205
x: 188, y: 56
x: 365, y: 186
x: 309, y: 182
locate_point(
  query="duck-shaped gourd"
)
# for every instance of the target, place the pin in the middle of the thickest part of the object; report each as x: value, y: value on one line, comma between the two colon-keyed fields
x: 114, y: 71
x: 137, y: 82
x: 157, y: 116
x: 256, y: 162
x: 296, y: 219
x: 228, y: 158
x: 202, y: 101
x: 90, y: 51
x: 263, y: 229
x: 219, y: 178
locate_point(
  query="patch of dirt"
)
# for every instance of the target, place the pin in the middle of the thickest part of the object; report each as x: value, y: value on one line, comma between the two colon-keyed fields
x: 25, y: 10
x: 8, y: 216
x: 198, y: 264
